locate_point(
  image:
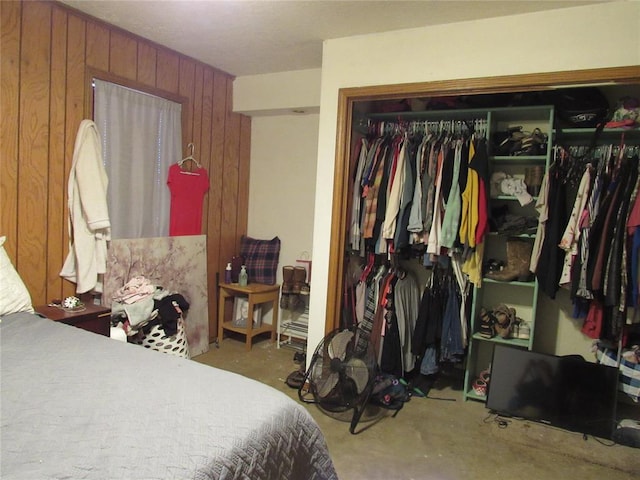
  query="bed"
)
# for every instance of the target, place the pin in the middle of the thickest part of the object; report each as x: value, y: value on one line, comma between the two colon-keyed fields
x: 79, y: 405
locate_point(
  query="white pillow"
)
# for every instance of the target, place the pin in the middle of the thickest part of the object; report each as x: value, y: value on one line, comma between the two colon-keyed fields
x: 14, y: 296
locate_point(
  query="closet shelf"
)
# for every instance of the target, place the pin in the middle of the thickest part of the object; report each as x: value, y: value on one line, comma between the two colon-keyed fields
x: 584, y: 136
x: 513, y: 283
x: 578, y: 132
x: 519, y: 159
x: 511, y: 235
x: 510, y: 198
x: 513, y: 115
x: 515, y: 342
x: 462, y: 114
x: 520, y: 295
x: 475, y: 396
x: 500, y: 114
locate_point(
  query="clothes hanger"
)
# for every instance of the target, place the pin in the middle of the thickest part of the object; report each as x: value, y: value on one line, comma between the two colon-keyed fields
x: 191, y: 147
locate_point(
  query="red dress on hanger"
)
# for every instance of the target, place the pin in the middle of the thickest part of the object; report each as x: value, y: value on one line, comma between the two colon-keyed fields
x: 187, y: 193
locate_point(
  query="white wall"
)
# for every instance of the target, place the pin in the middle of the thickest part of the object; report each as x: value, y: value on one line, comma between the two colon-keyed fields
x: 277, y: 93
x: 282, y: 185
x: 561, y: 40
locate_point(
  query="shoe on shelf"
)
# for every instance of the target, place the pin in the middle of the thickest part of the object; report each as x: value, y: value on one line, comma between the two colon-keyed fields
x: 287, y: 279
x: 284, y: 301
x: 294, y: 301
x: 518, y: 259
x: 505, y: 318
x: 299, y: 279
x: 487, y: 320
x: 521, y: 329
x: 481, y: 383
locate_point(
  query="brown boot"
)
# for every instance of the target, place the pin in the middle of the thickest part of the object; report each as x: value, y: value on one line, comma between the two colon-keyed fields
x: 287, y: 279
x: 299, y: 279
x: 518, y: 260
x: 287, y: 286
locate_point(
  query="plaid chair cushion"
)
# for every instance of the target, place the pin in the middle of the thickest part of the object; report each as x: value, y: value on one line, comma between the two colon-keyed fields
x: 261, y: 259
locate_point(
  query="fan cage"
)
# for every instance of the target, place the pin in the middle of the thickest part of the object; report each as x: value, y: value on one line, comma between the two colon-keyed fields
x: 341, y: 374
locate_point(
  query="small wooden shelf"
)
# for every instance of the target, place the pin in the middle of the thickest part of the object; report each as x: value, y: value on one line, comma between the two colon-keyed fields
x: 256, y: 293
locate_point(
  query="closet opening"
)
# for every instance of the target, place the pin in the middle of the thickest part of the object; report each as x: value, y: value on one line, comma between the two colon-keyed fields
x: 355, y: 104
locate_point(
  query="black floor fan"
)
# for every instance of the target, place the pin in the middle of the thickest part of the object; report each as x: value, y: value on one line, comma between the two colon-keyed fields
x: 341, y: 375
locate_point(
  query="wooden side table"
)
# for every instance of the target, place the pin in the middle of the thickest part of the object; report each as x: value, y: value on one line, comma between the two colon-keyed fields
x: 256, y: 293
x: 94, y: 318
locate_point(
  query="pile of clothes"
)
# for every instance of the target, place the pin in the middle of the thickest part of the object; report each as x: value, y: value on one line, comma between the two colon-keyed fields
x: 139, y: 305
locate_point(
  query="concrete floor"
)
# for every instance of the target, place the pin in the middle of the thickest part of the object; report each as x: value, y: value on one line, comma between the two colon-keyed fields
x: 440, y: 439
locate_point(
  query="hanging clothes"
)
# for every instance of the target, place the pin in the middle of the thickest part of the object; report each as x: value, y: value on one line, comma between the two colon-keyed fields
x: 453, y: 206
x: 415, y: 224
x: 390, y: 353
x: 401, y: 237
x: 542, y: 207
x: 579, y: 288
x: 551, y: 256
x: 451, y: 349
x: 355, y: 234
x: 89, y: 223
x: 187, y: 194
x: 407, y: 301
x: 571, y: 235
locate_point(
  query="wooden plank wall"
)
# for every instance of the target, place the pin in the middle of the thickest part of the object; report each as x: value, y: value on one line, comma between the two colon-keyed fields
x: 47, y: 50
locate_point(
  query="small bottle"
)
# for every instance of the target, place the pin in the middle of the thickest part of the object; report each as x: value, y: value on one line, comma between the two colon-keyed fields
x: 243, y: 277
x: 227, y: 273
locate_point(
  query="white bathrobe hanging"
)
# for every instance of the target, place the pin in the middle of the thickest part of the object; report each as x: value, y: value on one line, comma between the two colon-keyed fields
x: 89, y: 225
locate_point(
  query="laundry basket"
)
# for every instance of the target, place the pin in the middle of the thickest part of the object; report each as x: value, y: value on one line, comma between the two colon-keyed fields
x: 629, y: 382
x: 157, y: 339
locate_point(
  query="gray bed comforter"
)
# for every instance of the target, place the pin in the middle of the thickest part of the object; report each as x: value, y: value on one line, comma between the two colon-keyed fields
x: 76, y: 405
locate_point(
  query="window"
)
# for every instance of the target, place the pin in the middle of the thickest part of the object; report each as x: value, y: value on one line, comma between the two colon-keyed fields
x: 141, y: 137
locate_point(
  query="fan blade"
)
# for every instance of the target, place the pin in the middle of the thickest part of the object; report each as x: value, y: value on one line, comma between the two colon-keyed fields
x: 327, y: 383
x: 357, y: 370
x: 338, y: 345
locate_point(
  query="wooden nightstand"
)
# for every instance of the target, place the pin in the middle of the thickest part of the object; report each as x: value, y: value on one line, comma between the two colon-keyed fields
x: 256, y: 293
x: 94, y: 318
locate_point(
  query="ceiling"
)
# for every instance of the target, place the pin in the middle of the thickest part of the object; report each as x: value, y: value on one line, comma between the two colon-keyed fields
x: 248, y: 37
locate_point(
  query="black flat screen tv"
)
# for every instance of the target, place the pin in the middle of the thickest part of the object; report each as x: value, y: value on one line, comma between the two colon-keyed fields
x: 566, y: 392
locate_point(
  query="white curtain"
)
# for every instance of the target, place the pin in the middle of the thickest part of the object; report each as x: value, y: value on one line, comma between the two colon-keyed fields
x: 141, y: 138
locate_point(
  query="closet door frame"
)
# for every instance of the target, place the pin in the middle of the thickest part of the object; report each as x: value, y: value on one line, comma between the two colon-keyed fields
x: 347, y: 97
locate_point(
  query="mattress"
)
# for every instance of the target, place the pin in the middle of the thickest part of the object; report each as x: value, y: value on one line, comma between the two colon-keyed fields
x: 79, y: 405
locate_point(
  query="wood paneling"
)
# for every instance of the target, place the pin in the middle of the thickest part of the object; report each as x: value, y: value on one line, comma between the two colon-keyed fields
x: 48, y: 52
x: 33, y: 146
x: 185, y: 89
x: 10, y: 13
x: 123, y: 55
x: 75, y: 113
x: 147, y: 56
x: 168, y: 66
x: 97, y: 55
x: 56, y: 228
